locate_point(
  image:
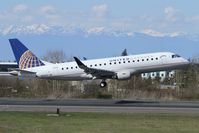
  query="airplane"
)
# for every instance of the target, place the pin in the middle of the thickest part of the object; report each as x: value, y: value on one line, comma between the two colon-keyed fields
x: 5, y: 67
x: 119, y: 68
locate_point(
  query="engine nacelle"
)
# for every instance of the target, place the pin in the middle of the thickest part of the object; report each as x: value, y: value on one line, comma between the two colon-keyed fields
x: 123, y: 75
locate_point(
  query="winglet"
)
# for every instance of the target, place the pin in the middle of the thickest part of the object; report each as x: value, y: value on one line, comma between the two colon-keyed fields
x: 79, y: 63
x: 124, y: 53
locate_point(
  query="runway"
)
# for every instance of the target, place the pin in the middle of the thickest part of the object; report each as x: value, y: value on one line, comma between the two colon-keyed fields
x: 93, y: 105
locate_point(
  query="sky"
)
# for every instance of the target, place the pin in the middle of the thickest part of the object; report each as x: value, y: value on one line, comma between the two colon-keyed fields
x: 100, y: 28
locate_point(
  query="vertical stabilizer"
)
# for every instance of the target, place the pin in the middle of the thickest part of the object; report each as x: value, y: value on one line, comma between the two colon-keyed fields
x: 24, y: 57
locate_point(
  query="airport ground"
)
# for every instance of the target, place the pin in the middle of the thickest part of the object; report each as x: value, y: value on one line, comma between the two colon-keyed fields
x: 19, y: 115
x: 31, y: 122
x: 97, y: 105
x: 99, y: 116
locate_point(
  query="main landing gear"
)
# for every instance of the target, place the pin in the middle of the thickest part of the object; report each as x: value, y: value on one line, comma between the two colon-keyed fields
x: 103, y: 84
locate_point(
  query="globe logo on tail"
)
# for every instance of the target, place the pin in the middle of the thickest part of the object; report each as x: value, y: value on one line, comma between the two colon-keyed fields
x: 29, y: 60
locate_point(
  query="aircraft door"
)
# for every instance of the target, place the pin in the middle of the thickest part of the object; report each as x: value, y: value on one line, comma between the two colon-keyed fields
x: 54, y: 71
x: 164, y: 59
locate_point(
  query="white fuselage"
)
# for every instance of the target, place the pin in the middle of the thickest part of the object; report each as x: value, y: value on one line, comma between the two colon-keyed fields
x: 134, y: 64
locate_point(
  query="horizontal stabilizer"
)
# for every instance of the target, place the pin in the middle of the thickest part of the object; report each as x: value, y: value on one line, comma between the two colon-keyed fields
x: 19, y: 72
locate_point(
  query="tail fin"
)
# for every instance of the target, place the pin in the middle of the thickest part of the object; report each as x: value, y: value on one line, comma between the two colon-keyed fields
x: 24, y: 57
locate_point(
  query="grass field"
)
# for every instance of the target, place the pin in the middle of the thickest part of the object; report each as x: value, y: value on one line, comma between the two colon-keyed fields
x: 19, y: 122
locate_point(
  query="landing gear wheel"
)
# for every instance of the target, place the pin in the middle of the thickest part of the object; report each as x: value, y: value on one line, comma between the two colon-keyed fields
x: 103, y: 84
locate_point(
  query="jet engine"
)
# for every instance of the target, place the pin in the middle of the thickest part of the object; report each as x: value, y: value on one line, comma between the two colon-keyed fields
x: 123, y: 75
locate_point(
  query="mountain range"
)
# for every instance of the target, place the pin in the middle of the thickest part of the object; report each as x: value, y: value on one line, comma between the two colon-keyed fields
x: 95, y: 42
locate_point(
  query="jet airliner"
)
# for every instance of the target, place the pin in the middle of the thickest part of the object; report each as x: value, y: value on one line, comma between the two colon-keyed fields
x: 119, y: 68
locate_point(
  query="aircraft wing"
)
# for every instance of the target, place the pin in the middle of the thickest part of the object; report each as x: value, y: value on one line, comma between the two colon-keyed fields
x: 5, y: 68
x: 97, y: 73
x: 6, y: 65
x: 5, y: 74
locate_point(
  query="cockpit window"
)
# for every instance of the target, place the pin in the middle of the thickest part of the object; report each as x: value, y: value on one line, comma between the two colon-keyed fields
x: 175, y: 56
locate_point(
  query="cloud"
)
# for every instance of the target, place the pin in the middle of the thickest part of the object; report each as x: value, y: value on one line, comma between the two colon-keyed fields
x: 20, y: 8
x: 100, y: 11
x: 27, y: 19
x: 47, y: 9
x: 170, y: 13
